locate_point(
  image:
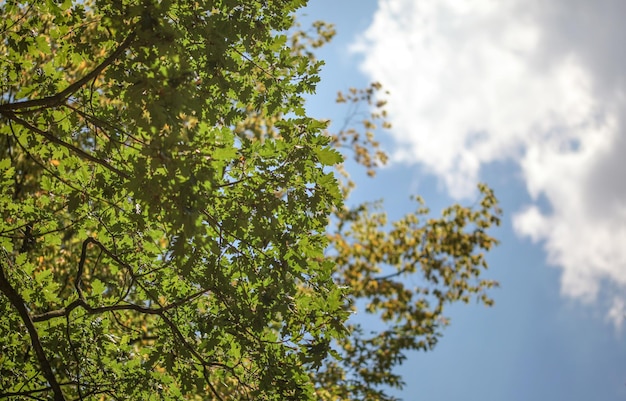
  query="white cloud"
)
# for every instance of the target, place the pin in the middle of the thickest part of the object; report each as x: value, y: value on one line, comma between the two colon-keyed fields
x: 540, y: 83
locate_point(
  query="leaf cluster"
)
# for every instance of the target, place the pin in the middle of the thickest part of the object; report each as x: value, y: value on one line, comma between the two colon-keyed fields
x: 142, y: 238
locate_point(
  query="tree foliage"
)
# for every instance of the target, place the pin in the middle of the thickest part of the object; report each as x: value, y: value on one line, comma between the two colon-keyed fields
x: 171, y: 224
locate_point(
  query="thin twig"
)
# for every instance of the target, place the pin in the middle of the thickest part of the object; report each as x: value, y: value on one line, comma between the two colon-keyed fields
x: 12, y: 116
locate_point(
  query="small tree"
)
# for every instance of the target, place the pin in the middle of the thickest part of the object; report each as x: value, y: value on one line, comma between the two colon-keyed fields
x: 165, y: 213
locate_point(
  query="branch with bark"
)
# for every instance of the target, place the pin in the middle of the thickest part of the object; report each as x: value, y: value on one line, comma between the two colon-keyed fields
x: 61, y: 97
x: 18, y: 303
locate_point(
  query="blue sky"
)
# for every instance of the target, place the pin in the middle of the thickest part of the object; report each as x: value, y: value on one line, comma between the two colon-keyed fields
x: 526, y: 96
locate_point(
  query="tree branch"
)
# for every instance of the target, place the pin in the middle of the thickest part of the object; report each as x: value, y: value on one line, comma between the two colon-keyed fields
x: 55, y: 100
x: 81, y: 153
x: 400, y: 272
x: 110, y: 308
x: 81, y: 302
x: 94, y: 311
x: 29, y: 393
x: 18, y: 303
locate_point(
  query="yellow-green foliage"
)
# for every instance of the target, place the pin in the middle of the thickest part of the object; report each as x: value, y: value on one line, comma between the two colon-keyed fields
x: 165, y: 210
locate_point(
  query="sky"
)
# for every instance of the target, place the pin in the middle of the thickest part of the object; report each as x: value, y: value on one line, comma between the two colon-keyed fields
x: 527, y: 96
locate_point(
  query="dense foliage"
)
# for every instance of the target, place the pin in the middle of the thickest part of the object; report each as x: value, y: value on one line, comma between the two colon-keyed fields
x: 167, y: 206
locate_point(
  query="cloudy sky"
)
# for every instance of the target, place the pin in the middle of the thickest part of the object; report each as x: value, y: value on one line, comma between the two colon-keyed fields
x: 528, y: 96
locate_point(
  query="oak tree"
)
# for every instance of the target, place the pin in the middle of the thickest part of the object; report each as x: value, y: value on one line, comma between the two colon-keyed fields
x: 172, y: 227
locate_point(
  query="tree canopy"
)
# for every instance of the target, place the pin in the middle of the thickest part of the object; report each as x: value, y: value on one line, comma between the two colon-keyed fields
x: 174, y: 225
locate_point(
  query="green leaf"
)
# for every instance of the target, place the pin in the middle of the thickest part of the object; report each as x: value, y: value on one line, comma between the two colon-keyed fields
x: 328, y: 156
x: 5, y: 163
x: 97, y: 287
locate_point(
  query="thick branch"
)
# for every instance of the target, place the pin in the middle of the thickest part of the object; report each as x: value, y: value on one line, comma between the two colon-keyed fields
x: 55, y: 100
x: 112, y: 308
x: 81, y: 301
x: 94, y: 311
x: 161, y: 311
x: 18, y: 303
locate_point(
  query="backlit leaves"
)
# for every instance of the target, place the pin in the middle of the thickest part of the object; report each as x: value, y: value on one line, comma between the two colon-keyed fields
x: 165, y: 210
x: 142, y: 238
